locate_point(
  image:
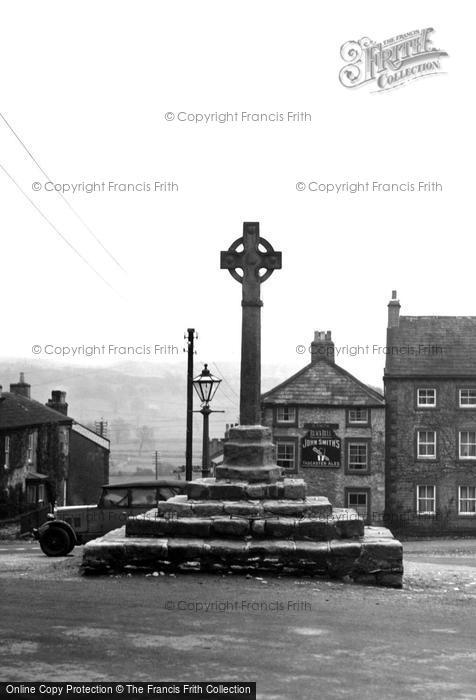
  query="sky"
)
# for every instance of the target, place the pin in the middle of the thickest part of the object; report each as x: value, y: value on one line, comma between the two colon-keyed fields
x: 87, y: 86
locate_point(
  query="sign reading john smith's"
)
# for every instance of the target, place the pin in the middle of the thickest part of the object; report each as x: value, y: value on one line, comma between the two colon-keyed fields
x: 320, y: 447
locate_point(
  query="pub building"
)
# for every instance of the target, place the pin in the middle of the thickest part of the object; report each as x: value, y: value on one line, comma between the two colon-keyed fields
x: 329, y: 429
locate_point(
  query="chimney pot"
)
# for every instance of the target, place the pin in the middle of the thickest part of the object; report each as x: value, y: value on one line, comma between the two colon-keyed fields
x: 322, y: 347
x: 21, y: 388
x: 58, y: 402
x: 394, y: 311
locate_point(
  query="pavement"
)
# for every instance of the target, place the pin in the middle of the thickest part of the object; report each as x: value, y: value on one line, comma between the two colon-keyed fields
x: 296, y: 637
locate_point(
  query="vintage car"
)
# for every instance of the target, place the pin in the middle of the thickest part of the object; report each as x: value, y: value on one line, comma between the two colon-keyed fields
x: 72, y: 525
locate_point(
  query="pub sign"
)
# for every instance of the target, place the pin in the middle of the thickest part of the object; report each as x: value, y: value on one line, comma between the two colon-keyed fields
x: 320, y: 447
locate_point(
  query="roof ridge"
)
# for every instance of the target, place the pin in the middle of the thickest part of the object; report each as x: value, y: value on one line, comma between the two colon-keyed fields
x: 25, y: 405
x: 43, y: 405
x: 473, y: 318
x: 368, y: 390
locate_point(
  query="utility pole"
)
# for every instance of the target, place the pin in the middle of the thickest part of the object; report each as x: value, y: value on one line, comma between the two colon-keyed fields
x: 156, y: 465
x: 190, y: 337
x: 100, y: 427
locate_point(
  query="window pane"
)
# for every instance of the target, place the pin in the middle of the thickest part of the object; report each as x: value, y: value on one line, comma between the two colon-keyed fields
x: 467, y: 444
x: 114, y: 498
x: 359, y: 502
x: 467, y: 500
x: 143, y: 497
x: 426, y: 443
x: 467, y: 397
x: 357, y: 456
x: 358, y: 415
x: 285, y: 454
x: 166, y: 492
x: 426, y: 397
x: 426, y: 499
x: 286, y: 414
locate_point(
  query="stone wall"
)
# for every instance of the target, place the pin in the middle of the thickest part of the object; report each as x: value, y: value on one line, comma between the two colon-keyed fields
x: 332, y: 482
x: 88, y: 470
x: 49, y: 456
x: 12, y: 479
x: 446, y: 471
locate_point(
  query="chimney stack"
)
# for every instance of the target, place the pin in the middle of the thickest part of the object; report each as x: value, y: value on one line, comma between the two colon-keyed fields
x: 58, y: 402
x: 394, y: 311
x: 322, y: 347
x: 21, y: 388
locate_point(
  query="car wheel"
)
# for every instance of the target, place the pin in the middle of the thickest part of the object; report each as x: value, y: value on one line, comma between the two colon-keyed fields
x: 72, y: 544
x: 55, y: 542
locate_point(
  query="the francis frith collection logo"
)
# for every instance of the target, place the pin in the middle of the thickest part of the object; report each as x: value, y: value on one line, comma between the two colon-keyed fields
x: 390, y: 63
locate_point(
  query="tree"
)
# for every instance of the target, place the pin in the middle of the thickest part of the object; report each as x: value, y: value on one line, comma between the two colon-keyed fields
x: 145, y: 437
x: 121, y: 430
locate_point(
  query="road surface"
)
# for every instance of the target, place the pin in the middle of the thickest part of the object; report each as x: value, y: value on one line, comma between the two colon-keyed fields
x: 297, y: 638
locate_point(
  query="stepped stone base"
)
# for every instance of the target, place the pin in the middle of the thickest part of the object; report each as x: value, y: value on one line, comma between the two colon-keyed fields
x: 269, y: 471
x: 232, y: 490
x: 181, y: 506
x: 375, y: 558
x: 263, y: 519
x: 249, y: 519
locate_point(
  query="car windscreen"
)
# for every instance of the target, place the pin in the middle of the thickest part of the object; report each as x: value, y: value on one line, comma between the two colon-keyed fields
x: 114, y: 498
x: 143, y: 496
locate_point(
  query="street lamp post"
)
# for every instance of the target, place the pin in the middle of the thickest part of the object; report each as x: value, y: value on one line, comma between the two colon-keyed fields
x: 205, y: 411
x: 205, y: 385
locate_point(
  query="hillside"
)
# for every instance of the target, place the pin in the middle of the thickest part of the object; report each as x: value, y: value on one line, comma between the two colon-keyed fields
x: 143, y: 403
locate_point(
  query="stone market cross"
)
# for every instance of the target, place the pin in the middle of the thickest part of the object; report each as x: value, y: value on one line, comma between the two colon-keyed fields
x: 250, y: 517
x: 252, y: 254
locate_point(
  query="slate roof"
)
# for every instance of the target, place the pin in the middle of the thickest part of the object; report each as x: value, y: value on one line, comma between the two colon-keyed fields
x: 323, y: 383
x: 17, y: 411
x: 438, y: 346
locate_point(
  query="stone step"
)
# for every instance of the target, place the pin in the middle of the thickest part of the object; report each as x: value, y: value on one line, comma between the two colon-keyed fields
x: 181, y: 506
x: 229, y: 490
x: 249, y: 455
x: 375, y: 558
x: 342, y: 524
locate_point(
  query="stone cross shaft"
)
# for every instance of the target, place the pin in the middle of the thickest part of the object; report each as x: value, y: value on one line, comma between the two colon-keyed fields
x: 257, y: 260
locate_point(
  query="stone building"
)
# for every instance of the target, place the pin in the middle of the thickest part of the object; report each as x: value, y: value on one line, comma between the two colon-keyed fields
x: 45, y: 456
x: 328, y: 428
x: 34, y: 450
x: 430, y: 394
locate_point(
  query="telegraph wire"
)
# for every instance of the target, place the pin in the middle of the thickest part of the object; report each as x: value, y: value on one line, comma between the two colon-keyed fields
x: 56, y: 230
x: 232, y: 401
x: 225, y: 379
x: 70, y: 206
